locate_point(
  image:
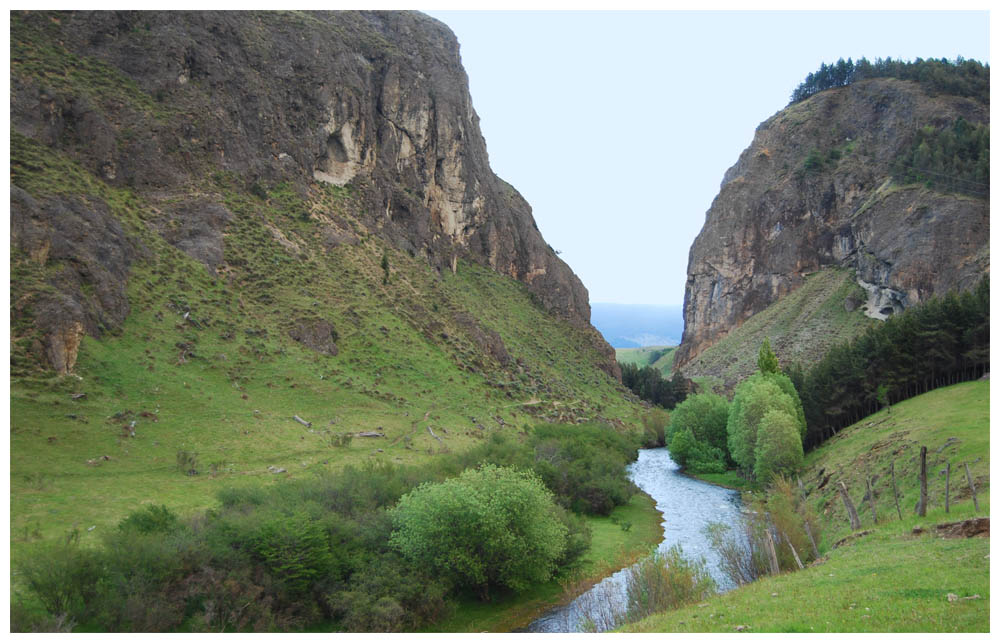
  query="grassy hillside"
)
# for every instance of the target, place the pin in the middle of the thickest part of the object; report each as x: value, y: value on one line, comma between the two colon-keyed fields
x: 886, y: 577
x: 204, y: 375
x: 952, y: 422
x: 661, y: 357
x: 801, y: 326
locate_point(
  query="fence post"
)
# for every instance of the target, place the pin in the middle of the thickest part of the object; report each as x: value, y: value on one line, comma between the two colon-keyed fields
x: 852, y: 513
x: 968, y: 476
x: 871, y: 499
x: 771, y: 551
x: 922, y: 505
x: 947, y: 488
x: 805, y: 522
x: 895, y: 493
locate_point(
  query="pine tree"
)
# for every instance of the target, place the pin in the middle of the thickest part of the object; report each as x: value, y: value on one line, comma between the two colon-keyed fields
x: 767, y: 361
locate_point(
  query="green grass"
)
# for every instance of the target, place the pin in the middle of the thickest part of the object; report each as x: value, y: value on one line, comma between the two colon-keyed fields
x: 869, y: 447
x: 409, y: 357
x: 729, y: 479
x: 661, y: 357
x: 611, y: 549
x: 889, y: 580
x: 801, y: 326
x: 37, y: 55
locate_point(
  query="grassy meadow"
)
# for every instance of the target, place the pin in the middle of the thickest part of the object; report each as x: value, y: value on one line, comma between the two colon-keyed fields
x: 660, y: 357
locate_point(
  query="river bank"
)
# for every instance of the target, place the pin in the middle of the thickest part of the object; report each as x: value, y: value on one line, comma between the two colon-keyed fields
x: 687, y: 505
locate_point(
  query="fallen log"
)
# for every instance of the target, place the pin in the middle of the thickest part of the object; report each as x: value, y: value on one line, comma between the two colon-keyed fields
x: 369, y: 434
x: 301, y: 421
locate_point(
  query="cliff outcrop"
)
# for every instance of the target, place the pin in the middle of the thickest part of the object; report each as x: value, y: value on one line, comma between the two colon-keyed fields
x: 374, y: 102
x: 815, y: 190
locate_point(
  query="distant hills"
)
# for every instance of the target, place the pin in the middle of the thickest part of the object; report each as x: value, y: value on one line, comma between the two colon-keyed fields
x: 637, y: 325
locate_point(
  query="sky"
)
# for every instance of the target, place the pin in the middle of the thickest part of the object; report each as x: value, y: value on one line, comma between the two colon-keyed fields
x: 617, y: 127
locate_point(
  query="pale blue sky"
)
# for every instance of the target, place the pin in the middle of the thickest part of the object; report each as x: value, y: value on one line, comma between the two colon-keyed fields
x: 618, y: 126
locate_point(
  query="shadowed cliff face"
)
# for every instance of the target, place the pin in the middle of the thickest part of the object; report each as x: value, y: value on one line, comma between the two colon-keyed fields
x: 374, y: 100
x: 774, y: 220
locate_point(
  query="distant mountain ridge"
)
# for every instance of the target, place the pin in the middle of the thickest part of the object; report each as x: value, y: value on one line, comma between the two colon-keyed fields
x: 638, y: 325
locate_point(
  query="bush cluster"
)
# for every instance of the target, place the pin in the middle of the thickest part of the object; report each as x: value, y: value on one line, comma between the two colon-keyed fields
x: 373, y: 548
x: 760, y: 431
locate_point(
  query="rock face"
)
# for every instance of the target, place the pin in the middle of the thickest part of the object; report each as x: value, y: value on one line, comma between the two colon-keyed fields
x: 90, y: 255
x: 774, y: 221
x: 376, y: 101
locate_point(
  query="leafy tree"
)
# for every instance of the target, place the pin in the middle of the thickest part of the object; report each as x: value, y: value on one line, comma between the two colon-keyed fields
x: 489, y: 527
x: 767, y: 361
x: 779, y: 446
x: 682, y: 445
x: 705, y: 415
x: 752, y: 400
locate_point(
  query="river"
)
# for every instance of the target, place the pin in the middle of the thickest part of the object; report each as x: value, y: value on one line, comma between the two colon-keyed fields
x: 687, y: 505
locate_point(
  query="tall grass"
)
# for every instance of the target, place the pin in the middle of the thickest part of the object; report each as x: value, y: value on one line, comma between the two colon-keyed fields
x: 666, y: 581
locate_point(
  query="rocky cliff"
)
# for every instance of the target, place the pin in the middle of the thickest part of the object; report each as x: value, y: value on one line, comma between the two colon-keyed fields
x: 376, y: 102
x: 815, y: 190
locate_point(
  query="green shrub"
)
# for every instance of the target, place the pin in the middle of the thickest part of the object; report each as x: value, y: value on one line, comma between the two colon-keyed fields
x: 137, y: 570
x: 682, y: 445
x: 654, y: 425
x: 814, y: 161
x: 388, y: 595
x: 187, y: 462
x: 583, y: 465
x: 490, y: 527
x: 295, y: 550
x: 151, y: 519
x: 63, y: 577
x: 696, y: 456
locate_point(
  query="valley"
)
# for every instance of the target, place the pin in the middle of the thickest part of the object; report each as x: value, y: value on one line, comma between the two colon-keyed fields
x: 287, y: 355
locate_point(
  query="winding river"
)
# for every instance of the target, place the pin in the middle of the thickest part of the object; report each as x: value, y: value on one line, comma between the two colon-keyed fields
x: 687, y: 505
